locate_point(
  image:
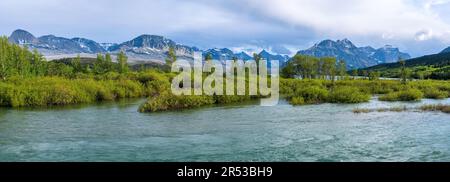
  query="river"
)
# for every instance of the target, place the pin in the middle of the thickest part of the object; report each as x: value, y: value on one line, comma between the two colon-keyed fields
x: 115, y: 131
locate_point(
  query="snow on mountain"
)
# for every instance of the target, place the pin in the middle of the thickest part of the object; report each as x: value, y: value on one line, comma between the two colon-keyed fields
x: 355, y: 57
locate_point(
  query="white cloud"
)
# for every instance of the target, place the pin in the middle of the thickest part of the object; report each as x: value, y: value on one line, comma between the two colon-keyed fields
x: 386, y: 18
x: 227, y: 23
x: 424, y: 35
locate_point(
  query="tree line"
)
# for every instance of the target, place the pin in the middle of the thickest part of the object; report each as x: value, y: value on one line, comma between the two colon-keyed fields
x: 309, y: 67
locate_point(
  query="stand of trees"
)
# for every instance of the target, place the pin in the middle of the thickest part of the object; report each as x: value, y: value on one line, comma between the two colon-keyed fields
x: 308, y: 67
x: 18, y: 61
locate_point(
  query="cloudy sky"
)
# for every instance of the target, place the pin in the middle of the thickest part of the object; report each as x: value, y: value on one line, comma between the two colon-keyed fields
x: 416, y: 26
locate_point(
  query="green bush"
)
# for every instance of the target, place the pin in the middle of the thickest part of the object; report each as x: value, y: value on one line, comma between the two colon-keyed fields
x: 45, y: 91
x: 297, y: 101
x: 312, y: 94
x: 346, y: 94
x: 434, y: 93
x: 167, y: 101
x: 404, y: 95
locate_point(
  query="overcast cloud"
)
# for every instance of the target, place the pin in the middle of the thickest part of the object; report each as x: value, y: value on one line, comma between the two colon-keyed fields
x: 416, y: 26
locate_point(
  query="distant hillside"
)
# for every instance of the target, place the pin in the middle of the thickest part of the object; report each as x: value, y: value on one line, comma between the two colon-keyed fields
x: 435, y: 66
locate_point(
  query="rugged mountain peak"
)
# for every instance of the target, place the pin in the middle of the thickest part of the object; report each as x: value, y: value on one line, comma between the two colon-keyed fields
x: 20, y: 36
x: 243, y: 56
x: 355, y: 57
x: 89, y: 46
x: 264, y: 52
x: 447, y: 50
x: 268, y: 56
x: 219, y: 54
x: 346, y: 43
x: 153, y: 41
x: 325, y: 43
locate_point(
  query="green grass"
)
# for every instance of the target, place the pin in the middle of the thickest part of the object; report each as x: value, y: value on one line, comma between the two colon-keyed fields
x: 347, y: 94
x: 300, y: 92
x: 404, y: 95
x: 46, y: 91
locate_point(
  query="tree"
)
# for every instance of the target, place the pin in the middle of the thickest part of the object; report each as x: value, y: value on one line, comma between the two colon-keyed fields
x: 171, y: 56
x: 289, y: 70
x: 374, y: 75
x: 108, y: 64
x: 5, y: 58
x: 355, y: 73
x: 329, y: 67
x: 122, y: 60
x: 17, y: 60
x: 59, y: 69
x: 257, y: 59
x: 39, y: 64
x: 76, y: 64
x: 99, y: 64
x: 365, y: 74
x: 404, y: 73
x: 342, y: 69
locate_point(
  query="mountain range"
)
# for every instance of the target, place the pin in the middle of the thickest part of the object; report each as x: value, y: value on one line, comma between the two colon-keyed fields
x: 154, y: 48
x: 355, y: 57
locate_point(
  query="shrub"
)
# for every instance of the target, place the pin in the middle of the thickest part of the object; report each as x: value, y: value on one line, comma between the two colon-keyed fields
x: 167, y: 101
x: 404, y: 95
x: 434, y: 93
x: 346, y: 94
x: 312, y: 94
x: 297, y: 101
x: 44, y: 91
x: 226, y: 99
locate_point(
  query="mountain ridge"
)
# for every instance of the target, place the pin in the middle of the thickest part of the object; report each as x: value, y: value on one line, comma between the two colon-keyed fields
x: 154, y: 48
x: 355, y: 57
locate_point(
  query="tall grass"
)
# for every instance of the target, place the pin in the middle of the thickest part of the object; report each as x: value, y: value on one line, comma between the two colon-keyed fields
x: 46, y: 91
x: 299, y: 92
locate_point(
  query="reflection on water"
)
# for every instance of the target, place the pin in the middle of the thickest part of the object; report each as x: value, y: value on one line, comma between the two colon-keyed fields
x: 115, y: 131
